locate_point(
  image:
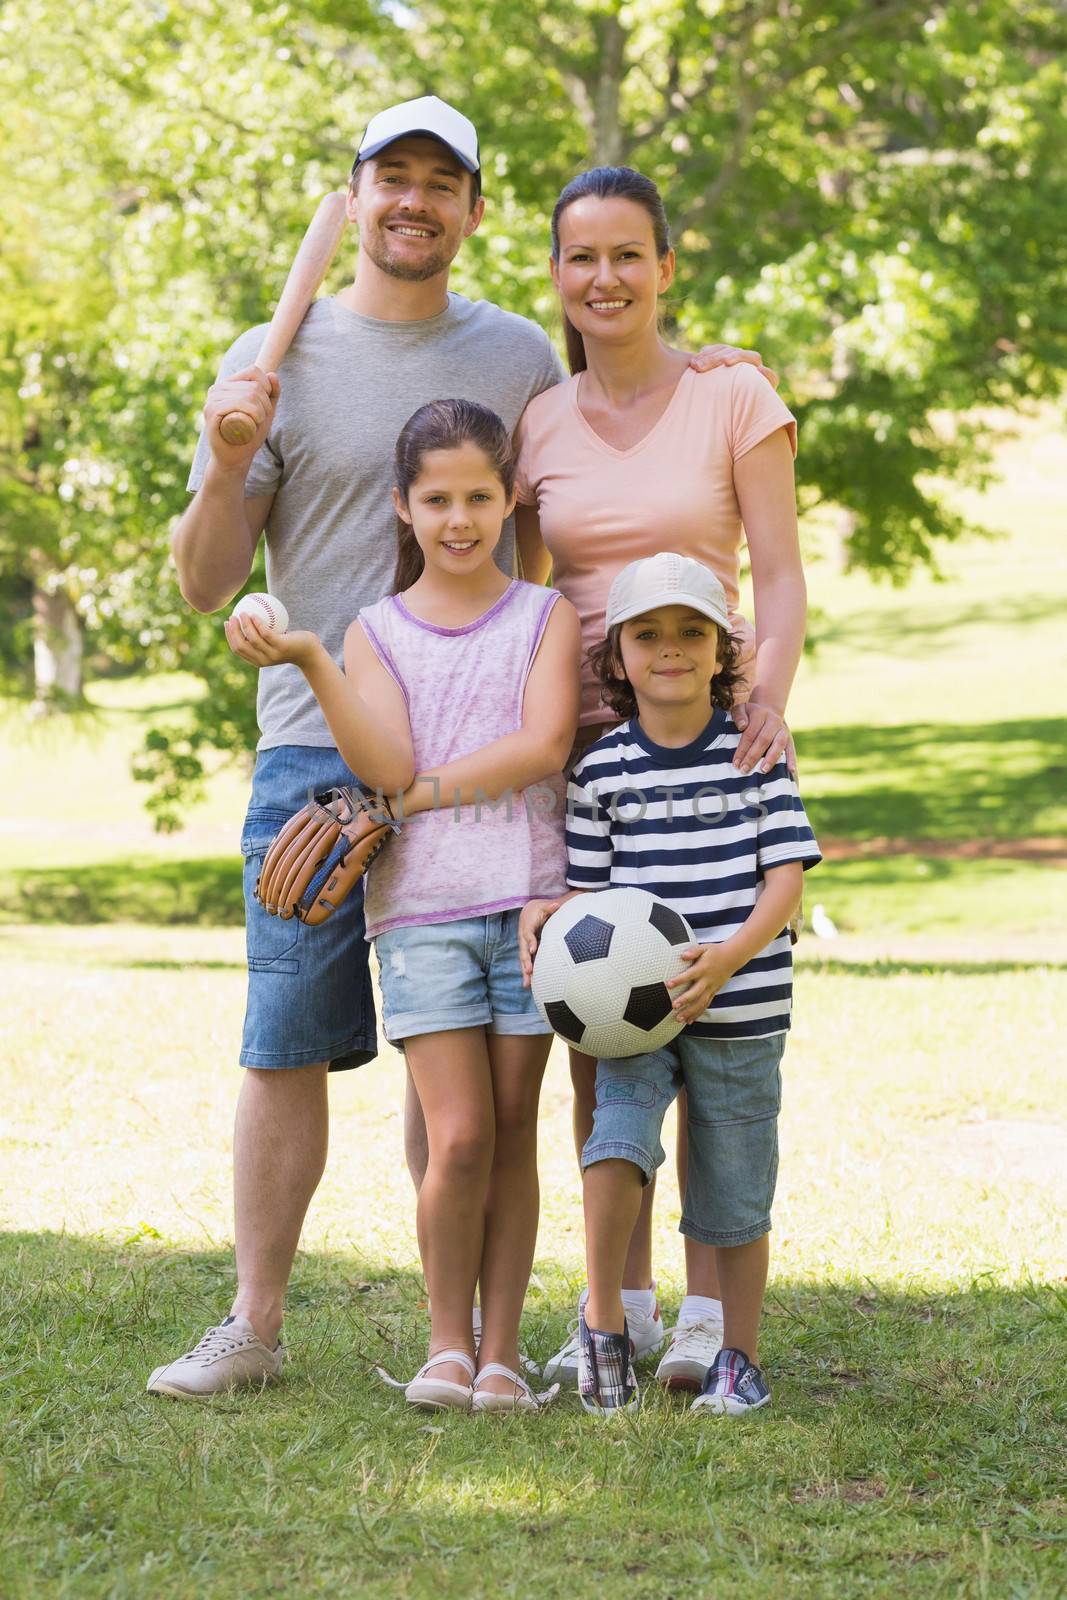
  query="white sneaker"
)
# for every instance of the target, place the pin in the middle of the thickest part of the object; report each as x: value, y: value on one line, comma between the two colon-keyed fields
x: 693, y: 1348
x: 228, y: 1357
x: 646, y: 1335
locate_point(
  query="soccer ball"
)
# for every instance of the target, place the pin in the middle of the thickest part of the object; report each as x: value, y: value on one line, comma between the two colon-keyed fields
x: 601, y: 969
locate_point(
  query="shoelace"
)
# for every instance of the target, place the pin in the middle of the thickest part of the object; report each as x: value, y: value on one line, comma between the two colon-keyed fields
x: 688, y: 1335
x: 217, y: 1342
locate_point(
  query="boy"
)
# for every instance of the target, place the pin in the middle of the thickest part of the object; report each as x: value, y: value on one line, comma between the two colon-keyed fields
x: 656, y: 803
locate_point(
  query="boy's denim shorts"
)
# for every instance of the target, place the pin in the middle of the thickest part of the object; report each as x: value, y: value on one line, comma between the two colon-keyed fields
x: 464, y: 974
x: 310, y: 996
x: 734, y: 1088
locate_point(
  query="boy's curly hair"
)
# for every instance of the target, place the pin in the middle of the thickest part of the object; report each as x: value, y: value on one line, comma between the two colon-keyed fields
x: 606, y: 661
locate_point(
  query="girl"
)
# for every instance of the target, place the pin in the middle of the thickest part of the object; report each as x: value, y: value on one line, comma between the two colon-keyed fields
x: 635, y: 454
x: 460, y: 692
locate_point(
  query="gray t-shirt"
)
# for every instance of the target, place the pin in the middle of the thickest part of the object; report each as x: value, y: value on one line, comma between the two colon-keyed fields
x: 349, y: 383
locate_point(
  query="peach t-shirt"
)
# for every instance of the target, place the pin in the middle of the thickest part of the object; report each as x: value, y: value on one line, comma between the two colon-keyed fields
x: 601, y: 508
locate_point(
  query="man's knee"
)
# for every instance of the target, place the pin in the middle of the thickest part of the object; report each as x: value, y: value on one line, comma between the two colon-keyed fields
x: 299, y: 1084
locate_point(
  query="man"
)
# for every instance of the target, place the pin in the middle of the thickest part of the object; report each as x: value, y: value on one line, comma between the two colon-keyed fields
x: 316, y: 478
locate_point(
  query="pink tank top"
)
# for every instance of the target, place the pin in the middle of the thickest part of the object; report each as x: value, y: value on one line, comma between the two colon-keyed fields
x: 464, y: 689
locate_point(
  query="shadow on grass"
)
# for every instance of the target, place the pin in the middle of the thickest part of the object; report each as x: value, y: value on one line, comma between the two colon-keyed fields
x: 176, y: 966
x: 907, y: 1427
x: 889, y: 968
x: 937, y: 780
x: 204, y: 892
x: 901, y: 630
x: 377, y: 1309
x: 959, y: 782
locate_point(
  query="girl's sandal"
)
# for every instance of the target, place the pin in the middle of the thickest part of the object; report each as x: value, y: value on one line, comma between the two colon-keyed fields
x: 524, y: 1400
x: 436, y: 1394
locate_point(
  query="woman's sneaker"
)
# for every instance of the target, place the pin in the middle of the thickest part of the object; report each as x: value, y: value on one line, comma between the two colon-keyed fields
x: 733, y: 1387
x: 228, y: 1357
x: 693, y: 1348
x: 606, y: 1381
x: 646, y: 1336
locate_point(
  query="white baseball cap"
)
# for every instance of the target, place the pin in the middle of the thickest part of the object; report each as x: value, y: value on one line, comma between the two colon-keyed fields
x: 666, y: 579
x: 427, y: 115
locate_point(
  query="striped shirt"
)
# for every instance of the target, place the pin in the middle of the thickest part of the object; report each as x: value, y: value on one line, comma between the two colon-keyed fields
x: 690, y: 828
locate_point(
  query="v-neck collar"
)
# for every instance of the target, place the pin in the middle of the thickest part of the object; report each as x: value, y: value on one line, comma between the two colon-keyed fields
x: 610, y: 449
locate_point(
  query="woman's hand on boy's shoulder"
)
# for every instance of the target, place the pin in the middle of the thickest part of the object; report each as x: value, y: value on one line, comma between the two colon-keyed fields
x: 765, y: 739
x: 263, y: 647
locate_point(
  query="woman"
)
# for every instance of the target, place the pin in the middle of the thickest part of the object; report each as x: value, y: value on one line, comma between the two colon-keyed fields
x: 639, y: 452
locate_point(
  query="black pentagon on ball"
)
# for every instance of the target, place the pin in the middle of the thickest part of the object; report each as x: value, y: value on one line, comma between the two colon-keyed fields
x: 647, y: 1006
x: 564, y: 1021
x: 589, y: 940
x: 669, y: 923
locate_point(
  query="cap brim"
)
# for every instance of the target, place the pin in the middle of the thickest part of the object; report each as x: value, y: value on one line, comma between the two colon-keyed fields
x: 649, y: 603
x: 365, y: 153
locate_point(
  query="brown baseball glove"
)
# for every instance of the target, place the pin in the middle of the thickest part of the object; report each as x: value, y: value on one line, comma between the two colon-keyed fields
x: 320, y: 855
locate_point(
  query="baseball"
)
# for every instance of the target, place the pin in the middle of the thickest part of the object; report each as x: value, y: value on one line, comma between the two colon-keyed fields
x: 266, y: 610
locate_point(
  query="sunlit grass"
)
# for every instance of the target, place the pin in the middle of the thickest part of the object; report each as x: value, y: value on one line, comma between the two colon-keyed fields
x: 913, y: 1323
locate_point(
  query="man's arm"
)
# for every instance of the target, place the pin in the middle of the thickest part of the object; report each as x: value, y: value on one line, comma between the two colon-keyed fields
x: 214, y: 544
x: 215, y: 541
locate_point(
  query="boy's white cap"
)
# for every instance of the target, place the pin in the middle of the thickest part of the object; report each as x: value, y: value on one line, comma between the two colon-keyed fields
x: 666, y: 579
x: 427, y: 115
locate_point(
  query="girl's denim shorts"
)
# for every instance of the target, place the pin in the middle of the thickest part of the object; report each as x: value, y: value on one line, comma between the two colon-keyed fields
x: 441, y: 975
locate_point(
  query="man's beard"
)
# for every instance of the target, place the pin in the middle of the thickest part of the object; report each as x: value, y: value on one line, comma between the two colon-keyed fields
x: 377, y: 247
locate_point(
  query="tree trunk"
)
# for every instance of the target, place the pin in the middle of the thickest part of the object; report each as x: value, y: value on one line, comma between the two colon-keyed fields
x: 607, y: 128
x: 844, y: 521
x: 57, y: 647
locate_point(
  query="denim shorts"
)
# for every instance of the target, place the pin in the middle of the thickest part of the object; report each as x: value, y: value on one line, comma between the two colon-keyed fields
x: 464, y: 974
x: 310, y: 996
x: 735, y: 1090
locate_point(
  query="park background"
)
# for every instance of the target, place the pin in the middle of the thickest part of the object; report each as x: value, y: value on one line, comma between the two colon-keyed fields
x: 871, y: 194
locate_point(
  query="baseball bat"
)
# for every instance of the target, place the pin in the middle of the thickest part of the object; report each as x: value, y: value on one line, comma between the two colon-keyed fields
x: 310, y: 265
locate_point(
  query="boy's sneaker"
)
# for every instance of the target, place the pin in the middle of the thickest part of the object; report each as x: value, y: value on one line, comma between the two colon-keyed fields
x: 229, y: 1356
x: 606, y: 1381
x: 733, y: 1386
x: 646, y: 1336
x: 693, y: 1348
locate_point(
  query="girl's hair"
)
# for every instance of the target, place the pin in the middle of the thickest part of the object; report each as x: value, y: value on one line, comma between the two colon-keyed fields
x: 608, y: 183
x: 606, y: 661
x: 444, y: 425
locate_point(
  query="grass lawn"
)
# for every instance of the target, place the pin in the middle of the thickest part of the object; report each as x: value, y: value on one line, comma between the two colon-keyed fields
x: 915, y: 1327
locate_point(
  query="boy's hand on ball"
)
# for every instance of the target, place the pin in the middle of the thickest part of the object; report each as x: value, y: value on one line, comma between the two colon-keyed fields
x: 532, y: 918
x: 264, y: 647
x: 697, y: 987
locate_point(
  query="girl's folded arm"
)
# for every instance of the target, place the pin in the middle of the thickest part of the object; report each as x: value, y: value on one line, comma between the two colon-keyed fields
x: 536, y: 750
x: 366, y: 712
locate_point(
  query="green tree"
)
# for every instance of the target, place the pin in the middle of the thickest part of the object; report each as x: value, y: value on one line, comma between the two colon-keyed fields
x: 872, y: 193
